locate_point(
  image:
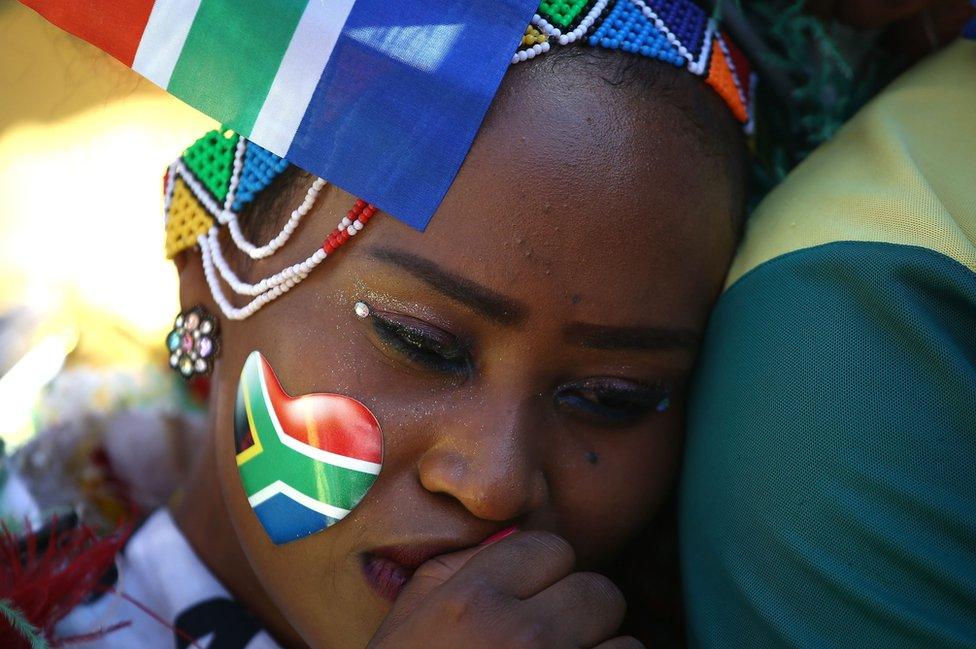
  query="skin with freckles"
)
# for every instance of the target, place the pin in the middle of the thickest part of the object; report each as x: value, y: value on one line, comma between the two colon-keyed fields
x: 526, y: 356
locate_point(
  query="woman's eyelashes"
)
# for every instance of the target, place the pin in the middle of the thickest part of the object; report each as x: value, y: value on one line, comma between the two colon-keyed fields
x: 607, y: 401
x: 611, y: 401
x: 421, y: 344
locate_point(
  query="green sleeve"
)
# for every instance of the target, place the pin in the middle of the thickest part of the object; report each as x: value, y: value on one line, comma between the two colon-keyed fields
x: 829, y: 490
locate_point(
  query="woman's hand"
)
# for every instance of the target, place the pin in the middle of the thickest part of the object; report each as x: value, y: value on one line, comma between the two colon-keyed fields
x: 518, y: 592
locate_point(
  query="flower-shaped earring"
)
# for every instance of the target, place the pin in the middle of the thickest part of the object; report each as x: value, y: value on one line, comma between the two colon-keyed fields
x: 193, y: 343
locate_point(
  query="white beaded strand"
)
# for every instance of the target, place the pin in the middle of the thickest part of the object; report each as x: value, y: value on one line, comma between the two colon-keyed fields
x: 215, y: 265
x: 546, y: 27
x: 260, y: 252
x: 235, y: 178
x: 698, y: 67
x: 229, y: 217
x: 243, y: 288
x: 585, y: 24
x: 554, y: 33
x: 229, y: 310
x: 530, y: 53
x: 168, y: 191
x: 266, y: 289
x: 735, y: 74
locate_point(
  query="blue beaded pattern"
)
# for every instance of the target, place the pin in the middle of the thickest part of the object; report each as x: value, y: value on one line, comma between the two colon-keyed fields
x: 626, y: 28
x: 674, y: 31
x: 686, y: 20
x: 678, y: 32
x: 259, y: 169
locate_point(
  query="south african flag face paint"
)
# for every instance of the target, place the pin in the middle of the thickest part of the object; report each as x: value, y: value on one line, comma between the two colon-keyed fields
x: 305, y: 462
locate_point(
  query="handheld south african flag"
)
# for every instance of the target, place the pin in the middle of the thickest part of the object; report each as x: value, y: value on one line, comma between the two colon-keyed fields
x: 305, y: 462
x: 380, y: 97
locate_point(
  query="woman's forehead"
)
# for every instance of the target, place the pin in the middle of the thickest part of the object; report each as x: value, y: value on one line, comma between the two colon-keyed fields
x: 576, y: 187
x: 597, y: 160
x: 553, y: 252
x: 565, y: 133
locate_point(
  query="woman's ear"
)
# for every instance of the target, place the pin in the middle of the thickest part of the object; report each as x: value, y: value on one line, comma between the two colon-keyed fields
x: 194, y: 289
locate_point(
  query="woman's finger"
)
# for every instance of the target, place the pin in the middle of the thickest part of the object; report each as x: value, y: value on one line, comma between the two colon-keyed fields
x: 584, y: 609
x: 520, y: 565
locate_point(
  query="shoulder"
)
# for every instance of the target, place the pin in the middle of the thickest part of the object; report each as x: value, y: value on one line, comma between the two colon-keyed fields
x: 828, y: 493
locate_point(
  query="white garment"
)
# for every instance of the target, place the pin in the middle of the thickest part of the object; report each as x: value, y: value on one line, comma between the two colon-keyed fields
x: 160, y: 570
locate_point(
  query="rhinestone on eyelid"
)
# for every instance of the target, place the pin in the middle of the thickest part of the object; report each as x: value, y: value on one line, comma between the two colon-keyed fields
x: 362, y: 309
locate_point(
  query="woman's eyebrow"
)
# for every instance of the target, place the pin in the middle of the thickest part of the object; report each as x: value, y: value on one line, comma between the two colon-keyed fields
x: 482, y: 299
x: 614, y: 337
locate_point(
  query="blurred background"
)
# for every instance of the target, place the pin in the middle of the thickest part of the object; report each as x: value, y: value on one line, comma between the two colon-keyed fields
x: 86, y: 296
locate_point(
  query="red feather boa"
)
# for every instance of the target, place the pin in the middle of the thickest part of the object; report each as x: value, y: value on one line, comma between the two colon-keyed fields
x: 46, y: 573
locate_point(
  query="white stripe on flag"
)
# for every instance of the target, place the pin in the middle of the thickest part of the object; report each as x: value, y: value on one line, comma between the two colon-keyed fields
x: 279, y: 487
x: 299, y: 73
x: 351, y: 463
x: 163, y: 40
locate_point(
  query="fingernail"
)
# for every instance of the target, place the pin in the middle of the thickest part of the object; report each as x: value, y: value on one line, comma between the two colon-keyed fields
x: 499, y: 535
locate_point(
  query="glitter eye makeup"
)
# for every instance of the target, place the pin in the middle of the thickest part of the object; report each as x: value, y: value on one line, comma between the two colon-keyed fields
x: 612, y: 401
x: 600, y: 401
x: 417, y: 343
x: 305, y: 461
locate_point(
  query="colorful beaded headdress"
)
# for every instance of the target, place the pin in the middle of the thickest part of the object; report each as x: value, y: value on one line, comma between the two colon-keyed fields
x: 208, y: 186
x: 678, y: 32
x: 382, y: 98
x: 216, y: 177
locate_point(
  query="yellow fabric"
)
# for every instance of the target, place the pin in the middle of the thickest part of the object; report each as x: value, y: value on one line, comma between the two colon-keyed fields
x: 186, y: 220
x: 902, y: 171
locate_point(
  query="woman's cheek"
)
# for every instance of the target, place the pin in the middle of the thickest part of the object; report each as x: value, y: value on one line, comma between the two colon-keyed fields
x: 603, y: 503
x: 313, y: 565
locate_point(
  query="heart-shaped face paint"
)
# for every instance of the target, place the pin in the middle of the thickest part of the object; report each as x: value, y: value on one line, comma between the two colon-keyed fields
x: 305, y: 462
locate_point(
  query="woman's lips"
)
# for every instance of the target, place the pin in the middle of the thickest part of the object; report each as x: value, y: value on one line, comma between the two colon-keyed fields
x: 388, y: 569
x: 386, y: 577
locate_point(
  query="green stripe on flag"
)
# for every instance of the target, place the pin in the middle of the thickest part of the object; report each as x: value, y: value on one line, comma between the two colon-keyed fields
x: 324, y: 482
x: 231, y: 56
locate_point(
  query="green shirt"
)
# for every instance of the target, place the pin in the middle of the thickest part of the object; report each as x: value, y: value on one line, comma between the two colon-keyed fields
x: 829, y: 490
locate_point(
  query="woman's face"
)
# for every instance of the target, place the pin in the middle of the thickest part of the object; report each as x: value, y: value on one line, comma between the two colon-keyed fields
x: 526, y: 356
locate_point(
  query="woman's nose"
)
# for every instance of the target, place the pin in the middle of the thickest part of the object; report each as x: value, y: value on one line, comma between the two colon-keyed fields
x: 489, y: 465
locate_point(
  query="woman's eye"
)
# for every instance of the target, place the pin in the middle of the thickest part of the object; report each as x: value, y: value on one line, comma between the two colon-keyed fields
x: 421, y: 344
x: 612, y: 402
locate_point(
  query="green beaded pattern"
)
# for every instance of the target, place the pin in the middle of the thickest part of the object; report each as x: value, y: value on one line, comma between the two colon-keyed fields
x: 211, y: 160
x: 562, y: 12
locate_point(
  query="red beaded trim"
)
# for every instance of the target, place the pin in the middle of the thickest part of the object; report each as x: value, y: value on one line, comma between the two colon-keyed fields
x: 360, y: 213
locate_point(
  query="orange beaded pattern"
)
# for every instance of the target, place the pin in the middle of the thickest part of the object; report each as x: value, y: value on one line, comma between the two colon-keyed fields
x: 676, y: 32
x: 722, y: 78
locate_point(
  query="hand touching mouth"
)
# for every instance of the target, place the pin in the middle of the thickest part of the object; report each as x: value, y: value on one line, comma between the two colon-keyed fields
x: 388, y: 569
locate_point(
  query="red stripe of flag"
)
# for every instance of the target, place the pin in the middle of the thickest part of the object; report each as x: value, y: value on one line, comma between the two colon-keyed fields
x: 343, y: 425
x: 115, y: 26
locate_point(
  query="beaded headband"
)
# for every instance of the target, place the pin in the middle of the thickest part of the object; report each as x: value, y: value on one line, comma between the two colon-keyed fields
x: 208, y: 186
x: 678, y: 32
x: 216, y: 177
